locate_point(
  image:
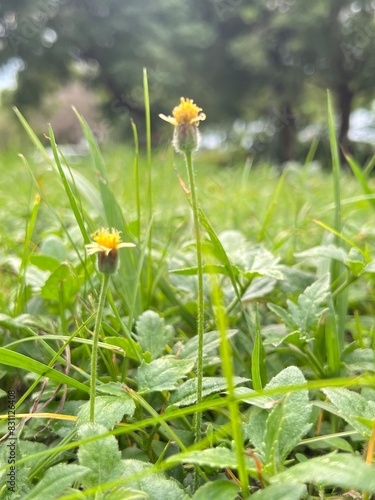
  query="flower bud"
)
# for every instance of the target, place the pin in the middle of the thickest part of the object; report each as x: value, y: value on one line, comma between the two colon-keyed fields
x: 186, y: 118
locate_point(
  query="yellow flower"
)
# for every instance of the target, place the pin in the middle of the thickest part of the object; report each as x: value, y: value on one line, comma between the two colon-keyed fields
x: 185, y: 119
x: 186, y: 113
x: 107, y: 243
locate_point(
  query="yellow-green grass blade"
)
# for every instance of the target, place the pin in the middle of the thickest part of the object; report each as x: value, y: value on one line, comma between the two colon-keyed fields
x: 17, y: 360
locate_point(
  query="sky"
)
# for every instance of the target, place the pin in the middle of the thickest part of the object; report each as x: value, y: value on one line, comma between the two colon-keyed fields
x: 8, y: 73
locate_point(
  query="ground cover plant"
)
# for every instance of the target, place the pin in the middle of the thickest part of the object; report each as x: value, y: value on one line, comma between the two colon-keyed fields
x: 238, y: 365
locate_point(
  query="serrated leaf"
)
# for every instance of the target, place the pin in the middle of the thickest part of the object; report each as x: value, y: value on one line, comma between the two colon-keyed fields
x: 162, y: 374
x: 217, y: 490
x: 281, y: 492
x: 219, y: 458
x: 283, y: 314
x: 252, y: 261
x: 350, y: 405
x: 56, y: 481
x: 326, y: 251
x: 339, y: 470
x: 308, y: 308
x: 102, y: 456
x: 157, y: 486
x: 152, y: 334
x: 109, y: 410
x: 186, y: 394
x: 211, y: 341
x: 287, y: 421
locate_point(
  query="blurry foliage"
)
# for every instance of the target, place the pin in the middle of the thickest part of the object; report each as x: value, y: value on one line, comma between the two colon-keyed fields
x: 242, y: 58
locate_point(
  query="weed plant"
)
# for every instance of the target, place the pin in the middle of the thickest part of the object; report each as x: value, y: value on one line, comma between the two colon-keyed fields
x: 286, y: 398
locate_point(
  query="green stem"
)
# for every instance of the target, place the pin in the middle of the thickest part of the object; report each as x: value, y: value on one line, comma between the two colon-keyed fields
x: 200, y: 300
x: 228, y: 371
x: 95, y: 340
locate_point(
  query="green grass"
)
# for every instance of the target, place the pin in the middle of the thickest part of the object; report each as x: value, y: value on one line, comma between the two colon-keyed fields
x: 288, y: 398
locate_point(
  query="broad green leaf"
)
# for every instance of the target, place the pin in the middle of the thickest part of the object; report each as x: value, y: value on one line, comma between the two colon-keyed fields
x: 341, y: 470
x: 109, y: 410
x: 152, y: 333
x: 157, y: 486
x: 56, y: 481
x: 259, y: 288
x: 281, y: 492
x: 112, y: 388
x: 211, y: 341
x: 18, y: 475
x: 251, y: 260
x: 62, y: 280
x: 102, y: 456
x: 217, y: 490
x: 123, y: 493
x: 2, y: 393
x: 350, y: 405
x: 21, y: 322
x: 370, y: 268
x: 128, y: 346
x: 11, y: 358
x: 219, y: 458
x: 308, y: 308
x: 283, y: 314
x: 54, y: 247
x: 162, y: 374
x: 331, y: 442
x: 325, y: 251
x: 186, y: 394
x: 277, y: 431
x: 44, y: 262
x: 359, y: 360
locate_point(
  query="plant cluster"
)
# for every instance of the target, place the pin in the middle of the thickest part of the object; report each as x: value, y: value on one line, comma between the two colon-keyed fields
x: 194, y: 363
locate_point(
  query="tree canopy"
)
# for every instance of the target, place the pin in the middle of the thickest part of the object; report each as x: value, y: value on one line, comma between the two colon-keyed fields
x: 244, y: 59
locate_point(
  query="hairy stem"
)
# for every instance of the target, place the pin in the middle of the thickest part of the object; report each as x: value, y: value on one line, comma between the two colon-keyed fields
x: 94, y: 355
x: 200, y: 300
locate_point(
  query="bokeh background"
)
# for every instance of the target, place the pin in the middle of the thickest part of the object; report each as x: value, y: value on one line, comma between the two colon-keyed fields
x: 260, y: 69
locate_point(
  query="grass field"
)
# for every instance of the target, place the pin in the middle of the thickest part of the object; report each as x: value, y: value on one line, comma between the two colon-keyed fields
x: 284, y: 406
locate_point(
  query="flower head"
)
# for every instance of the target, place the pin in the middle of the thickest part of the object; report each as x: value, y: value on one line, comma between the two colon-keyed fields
x: 107, y: 243
x: 185, y: 119
x: 186, y: 113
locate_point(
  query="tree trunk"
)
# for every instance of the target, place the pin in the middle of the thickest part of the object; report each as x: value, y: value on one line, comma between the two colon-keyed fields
x: 344, y: 102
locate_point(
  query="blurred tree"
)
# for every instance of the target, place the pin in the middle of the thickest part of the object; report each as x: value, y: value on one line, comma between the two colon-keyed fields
x: 108, y: 44
x: 290, y: 47
x: 236, y: 58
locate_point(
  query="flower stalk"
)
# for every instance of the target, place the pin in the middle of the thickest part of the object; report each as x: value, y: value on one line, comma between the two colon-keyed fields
x: 186, y: 138
x: 95, y: 340
x: 106, y: 245
x: 200, y: 298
